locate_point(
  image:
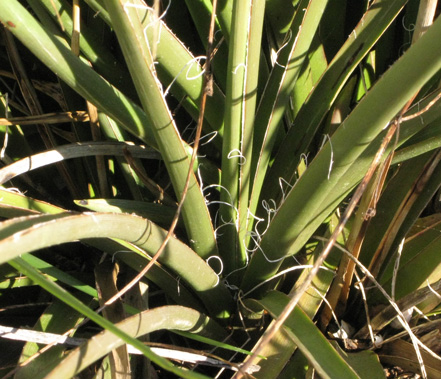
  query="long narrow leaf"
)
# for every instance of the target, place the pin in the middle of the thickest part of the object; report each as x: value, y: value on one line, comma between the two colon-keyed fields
x: 74, y: 72
x: 380, y: 14
x: 121, y: 336
x: 309, y: 339
x: 234, y: 124
x: 279, y: 88
x: 309, y: 202
x: 32, y: 233
x: 137, y: 52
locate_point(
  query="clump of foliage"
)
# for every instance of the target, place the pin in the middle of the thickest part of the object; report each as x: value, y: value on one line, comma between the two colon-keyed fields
x: 297, y: 234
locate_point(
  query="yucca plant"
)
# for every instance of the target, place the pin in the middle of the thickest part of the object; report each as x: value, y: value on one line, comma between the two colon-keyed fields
x: 255, y: 179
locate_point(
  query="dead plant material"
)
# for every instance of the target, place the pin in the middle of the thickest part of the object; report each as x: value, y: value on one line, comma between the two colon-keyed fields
x: 47, y: 118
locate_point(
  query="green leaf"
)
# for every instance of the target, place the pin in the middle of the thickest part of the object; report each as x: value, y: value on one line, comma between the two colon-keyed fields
x: 235, y: 97
x: 57, y: 318
x: 309, y: 339
x: 158, y: 213
x: 59, y: 275
x: 27, y: 234
x: 136, y: 258
x: 365, y: 363
x: 115, y: 334
x: 373, y: 24
x: 74, y: 150
x: 126, y: 21
x: 322, y: 187
x: 93, y: 49
x: 74, y: 72
x: 168, y: 317
x: 420, y: 255
x: 280, y: 85
x: 13, y: 204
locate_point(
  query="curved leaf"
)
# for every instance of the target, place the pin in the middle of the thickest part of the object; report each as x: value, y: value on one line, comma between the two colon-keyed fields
x: 75, y: 150
x: 27, y: 234
x: 167, y: 317
x: 158, y: 213
x: 109, y: 326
